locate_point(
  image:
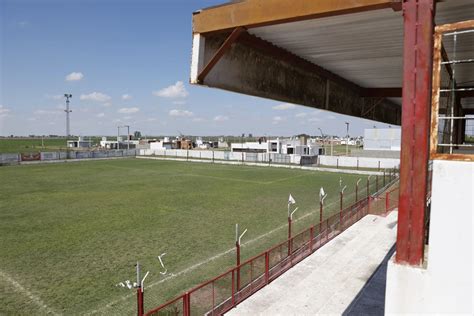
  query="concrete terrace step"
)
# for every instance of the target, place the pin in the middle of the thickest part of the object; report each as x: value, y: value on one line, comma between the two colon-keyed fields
x: 330, y: 279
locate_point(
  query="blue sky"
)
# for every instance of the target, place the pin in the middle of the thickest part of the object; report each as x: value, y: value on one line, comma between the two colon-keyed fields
x: 126, y: 62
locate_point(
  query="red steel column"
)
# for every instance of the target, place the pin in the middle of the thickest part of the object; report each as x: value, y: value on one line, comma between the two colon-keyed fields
x: 417, y: 71
x: 237, y: 252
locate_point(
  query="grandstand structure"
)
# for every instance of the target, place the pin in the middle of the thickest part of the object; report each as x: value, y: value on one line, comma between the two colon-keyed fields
x: 407, y: 63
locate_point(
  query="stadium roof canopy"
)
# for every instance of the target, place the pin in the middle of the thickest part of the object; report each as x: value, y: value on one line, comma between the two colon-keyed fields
x: 340, y: 56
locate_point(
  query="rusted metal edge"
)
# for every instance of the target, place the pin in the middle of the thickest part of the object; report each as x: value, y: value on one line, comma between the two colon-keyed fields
x: 254, y: 13
x: 437, y: 56
x: 452, y: 157
x: 220, y: 52
x: 454, y: 26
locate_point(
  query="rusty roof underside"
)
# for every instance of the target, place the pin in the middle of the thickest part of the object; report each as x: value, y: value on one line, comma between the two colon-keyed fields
x: 355, y: 43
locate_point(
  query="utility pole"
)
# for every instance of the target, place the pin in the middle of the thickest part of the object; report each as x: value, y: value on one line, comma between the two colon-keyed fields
x: 322, y: 135
x: 67, y: 96
x: 347, y: 138
x: 118, y: 136
x: 128, y: 136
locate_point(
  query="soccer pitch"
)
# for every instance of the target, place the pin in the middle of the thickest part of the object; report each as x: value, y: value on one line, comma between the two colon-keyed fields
x: 70, y: 232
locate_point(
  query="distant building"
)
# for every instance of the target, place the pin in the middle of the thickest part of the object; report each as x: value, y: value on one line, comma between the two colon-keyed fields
x: 382, y: 139
x: 79, y: 143
x: 292, y: 146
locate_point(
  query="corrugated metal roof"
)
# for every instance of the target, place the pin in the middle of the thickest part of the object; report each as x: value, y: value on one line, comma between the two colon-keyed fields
x: 366, y: 48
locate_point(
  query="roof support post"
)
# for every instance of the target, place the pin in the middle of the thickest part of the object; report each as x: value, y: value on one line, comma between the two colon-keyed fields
x: 417, y: 77
x: 220, y: 52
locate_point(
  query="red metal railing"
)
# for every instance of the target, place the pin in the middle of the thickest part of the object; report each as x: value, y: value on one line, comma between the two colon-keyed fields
x: 221, y: 294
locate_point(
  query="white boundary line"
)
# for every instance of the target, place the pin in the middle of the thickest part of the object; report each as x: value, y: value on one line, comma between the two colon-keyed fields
x: 19, y: 288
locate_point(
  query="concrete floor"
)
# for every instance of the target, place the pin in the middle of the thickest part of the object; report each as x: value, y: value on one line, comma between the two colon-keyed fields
x: 328, y: 281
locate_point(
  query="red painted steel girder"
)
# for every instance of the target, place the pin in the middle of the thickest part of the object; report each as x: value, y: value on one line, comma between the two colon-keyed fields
x: 417, y: 77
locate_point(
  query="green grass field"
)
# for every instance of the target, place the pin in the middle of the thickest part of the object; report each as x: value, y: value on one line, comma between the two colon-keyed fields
x: 70, y: 232
x: 22, y: 145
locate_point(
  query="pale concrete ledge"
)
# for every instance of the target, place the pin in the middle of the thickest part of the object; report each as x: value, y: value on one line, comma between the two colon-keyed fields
x: 328, y: 281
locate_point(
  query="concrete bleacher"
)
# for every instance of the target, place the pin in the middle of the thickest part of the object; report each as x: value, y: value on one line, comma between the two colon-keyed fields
x: 331, y: 279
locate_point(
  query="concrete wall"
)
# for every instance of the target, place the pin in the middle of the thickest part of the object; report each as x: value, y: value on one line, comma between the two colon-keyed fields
x: 250, y: 70
x: 444, y: 284
x: 361, y: 162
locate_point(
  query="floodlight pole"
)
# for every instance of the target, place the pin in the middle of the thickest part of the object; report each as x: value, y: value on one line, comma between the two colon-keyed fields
x: 67, y: 110
x: 128, y: 136
x: 118, y: 136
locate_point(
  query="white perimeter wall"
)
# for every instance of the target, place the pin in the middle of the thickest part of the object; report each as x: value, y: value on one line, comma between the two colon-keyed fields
x: 362, y: 162
x: 445, y: 284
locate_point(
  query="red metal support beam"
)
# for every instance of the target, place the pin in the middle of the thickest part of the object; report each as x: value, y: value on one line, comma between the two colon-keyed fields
x: 220, y: 52
x: 416, y: 104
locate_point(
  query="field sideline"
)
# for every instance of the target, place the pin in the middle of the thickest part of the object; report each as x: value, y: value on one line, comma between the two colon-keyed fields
x: 70, y: 232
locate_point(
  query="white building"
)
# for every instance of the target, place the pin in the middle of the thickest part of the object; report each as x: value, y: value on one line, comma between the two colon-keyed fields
x: 291, y: 146
x: 79, y: 143
x: 382, y: 139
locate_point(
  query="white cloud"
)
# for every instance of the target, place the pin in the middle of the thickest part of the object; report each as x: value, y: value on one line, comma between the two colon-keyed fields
x: 74, y: 76
x: 277, y: 119
x: 151, y: 119
x: 179, y: 102
x: 4, y: 110
x: 176, y: 112
x: 221, y: 118
x: 178, y: 90
x: 128, y: 110
x: 284, y: 106
x: 198, y: 119
x: 126, y: 97
x: 301, y: 114
x: 100, y: 115
x: 23, y: 24
x: 95, y: 96
x: 107, y: 104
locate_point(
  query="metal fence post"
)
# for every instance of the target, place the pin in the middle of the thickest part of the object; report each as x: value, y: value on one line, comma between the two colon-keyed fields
x: 368, y: 189
x: 140, y: 304
x: 357, y: 192
x: 289, y: 235
x: 267, y: 267
x: 320, y: 216
x: 387, y: 202
x: 233, y: 287
x: 311, y: 237
x: 384, y: 178
x: 341, y: 206
x: 377, y: 183
x: 237, y: 246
